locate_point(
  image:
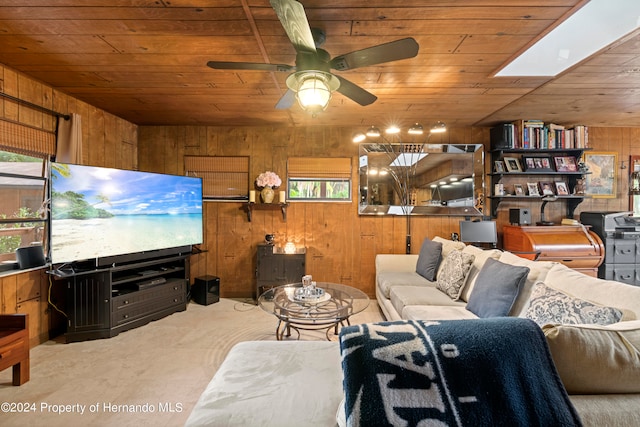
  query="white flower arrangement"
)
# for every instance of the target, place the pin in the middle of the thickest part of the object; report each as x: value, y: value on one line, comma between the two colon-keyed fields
x: 268, y: 179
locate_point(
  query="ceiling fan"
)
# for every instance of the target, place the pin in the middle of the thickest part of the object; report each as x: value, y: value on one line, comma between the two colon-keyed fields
x: 311, y: 80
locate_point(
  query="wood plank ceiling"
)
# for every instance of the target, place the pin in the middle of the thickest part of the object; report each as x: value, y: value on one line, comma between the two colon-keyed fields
x: 145, y: 61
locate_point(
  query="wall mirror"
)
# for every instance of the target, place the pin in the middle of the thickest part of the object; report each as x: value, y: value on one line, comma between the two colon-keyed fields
x: 421, y: 179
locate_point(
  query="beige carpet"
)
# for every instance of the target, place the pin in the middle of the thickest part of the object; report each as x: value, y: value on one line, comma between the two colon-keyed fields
x: 152, y: 375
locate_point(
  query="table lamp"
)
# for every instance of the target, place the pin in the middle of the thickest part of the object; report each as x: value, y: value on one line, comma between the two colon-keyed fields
x: 545, y: 200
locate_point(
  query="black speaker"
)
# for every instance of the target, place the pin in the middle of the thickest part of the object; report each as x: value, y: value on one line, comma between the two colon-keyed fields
x: 206, y: 290
x: 520, y: 216
x: 30, y: 257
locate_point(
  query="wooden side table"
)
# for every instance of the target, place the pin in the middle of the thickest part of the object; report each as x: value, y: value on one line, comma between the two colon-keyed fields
x: 14, y: 346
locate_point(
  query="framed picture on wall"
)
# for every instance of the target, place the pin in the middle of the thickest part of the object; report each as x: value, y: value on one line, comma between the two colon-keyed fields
x: 601, y: 181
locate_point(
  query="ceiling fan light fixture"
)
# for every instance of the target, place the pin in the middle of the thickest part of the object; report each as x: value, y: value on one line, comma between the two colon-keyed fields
x: 439, y: 127
x: 416, y: 129
x: 313, y: 89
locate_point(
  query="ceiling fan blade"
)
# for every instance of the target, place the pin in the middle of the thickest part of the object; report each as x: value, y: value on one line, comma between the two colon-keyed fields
x: 392, y: 51
x: 287, y: 100
x: 220, y: 65
x: 355, y: 92
x: 294, y: 20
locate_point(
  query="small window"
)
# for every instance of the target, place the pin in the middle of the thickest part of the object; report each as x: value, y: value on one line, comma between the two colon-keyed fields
x: 22, y: 213
x: 319, y: 178
x: 319, y: 189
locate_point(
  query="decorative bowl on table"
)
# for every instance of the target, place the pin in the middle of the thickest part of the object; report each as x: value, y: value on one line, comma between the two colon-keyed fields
x: 310, y: 294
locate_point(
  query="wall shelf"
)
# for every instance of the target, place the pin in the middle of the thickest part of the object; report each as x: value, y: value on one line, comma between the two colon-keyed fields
x: 251, y: 206
x: 571, y: 177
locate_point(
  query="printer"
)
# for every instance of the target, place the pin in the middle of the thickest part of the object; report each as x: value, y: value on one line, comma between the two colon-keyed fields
x: 620, y: 233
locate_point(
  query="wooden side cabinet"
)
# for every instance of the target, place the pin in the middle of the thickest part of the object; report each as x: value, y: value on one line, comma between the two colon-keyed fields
x: 14, y: 346
x: 575, y: 246
x: 274, y: 267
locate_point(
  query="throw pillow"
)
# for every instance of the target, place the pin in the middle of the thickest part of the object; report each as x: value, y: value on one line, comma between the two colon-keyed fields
x: 594, y: 359
x: 548, y: 305
x: 429, y: 259
x: 496, y: 288
x: 453, y: 273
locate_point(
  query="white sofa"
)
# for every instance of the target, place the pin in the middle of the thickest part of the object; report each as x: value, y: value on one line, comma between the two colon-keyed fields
x: 268, y: 383
x: 404, y: 294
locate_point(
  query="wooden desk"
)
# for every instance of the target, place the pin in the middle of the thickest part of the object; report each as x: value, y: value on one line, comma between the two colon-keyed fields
x: 572, y: 245
x: 14, y: 346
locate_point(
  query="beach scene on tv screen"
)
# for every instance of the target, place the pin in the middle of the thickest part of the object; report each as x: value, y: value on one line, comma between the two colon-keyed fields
x: 98, y: 212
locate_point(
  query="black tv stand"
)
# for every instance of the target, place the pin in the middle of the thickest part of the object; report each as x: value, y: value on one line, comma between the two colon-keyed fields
x: 102, y: 302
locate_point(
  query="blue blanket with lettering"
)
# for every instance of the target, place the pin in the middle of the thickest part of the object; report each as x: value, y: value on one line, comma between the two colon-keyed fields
x: 480, y: 372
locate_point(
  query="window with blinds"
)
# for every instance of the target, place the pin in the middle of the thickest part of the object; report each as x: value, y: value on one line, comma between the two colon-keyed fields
x: 223, y: 178
x: 319, y: 178
x: 24, y: 155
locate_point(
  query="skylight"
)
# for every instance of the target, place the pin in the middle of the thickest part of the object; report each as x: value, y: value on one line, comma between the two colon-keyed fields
x: 593, y: 27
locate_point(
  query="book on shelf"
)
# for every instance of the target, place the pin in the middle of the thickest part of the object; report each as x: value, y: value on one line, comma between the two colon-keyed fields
x: 502, y: 136
x: 537, y: 135
x: 556, y: 136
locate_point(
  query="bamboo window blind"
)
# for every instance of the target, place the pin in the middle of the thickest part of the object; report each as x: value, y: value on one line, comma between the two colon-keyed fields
x: 223, y: 178
x: 26, y: 140
x: 319, y: 167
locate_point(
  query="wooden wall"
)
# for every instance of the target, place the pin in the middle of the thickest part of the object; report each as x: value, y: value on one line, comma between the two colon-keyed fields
x: 107, y: 141
x: 341, y: 245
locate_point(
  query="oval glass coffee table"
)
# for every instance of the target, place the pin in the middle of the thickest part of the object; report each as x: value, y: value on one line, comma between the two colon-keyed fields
x: 328, y: 311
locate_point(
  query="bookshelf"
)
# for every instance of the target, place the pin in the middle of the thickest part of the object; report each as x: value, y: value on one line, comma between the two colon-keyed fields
x: 531, y: 159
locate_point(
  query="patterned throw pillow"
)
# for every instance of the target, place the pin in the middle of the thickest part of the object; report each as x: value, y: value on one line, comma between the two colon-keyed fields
x: 453, y: 273
x: 429, y: 259
x: 550, y: 306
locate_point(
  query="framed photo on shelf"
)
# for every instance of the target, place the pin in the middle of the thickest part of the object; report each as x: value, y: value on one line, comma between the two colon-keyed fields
x: 565, y: 164
x: 498, y: 166
x: 547, y: 188
x: 561, y: 188
x: 512, y: 164
x: 537, y: 164
x: 518, y: 189
x: 601, y: 182
x: 532, y: 188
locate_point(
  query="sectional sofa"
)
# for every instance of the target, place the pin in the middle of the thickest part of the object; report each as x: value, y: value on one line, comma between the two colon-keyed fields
x: 603, y: 391
x: 591, y: 327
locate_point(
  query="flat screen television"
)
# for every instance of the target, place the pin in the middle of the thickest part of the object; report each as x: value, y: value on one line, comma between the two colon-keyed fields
x: 102, y: 213
x: 478, y: 232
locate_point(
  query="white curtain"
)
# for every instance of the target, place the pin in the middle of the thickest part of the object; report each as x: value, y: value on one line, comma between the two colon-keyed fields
x: 69, y: 140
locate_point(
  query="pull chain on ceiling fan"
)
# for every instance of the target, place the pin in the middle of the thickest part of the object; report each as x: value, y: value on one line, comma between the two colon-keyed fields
x: 311, y: 80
